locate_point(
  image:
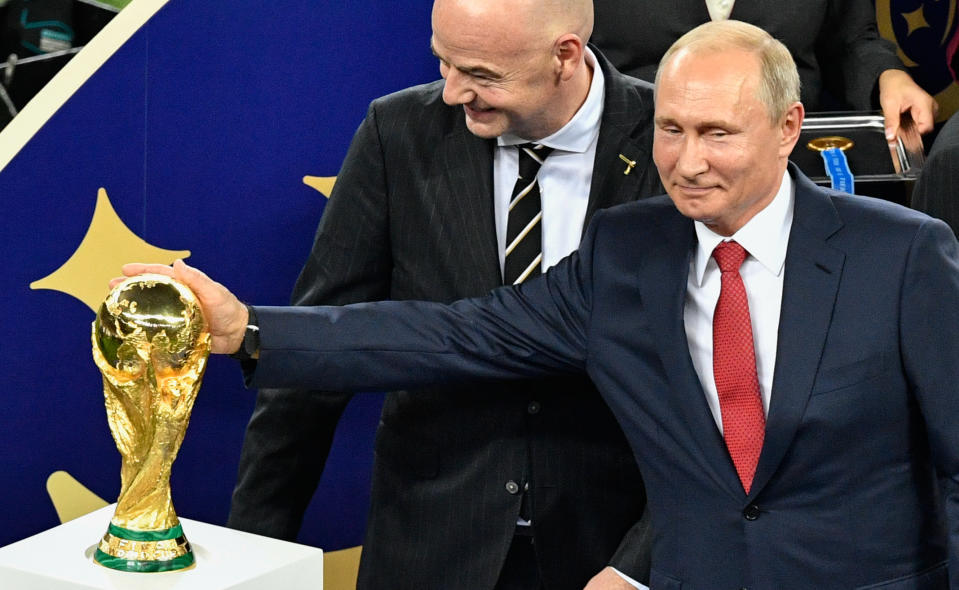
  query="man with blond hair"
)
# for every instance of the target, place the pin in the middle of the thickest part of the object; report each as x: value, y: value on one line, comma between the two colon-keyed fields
x: 476, y: 485
x: 782, y: 356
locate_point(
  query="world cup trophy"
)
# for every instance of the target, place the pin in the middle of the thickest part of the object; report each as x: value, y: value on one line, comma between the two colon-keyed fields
x: 151, y: 343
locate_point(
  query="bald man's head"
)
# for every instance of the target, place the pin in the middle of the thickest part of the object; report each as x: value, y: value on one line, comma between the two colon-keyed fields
x: 532, y: 19
x: 516, y: 66
x: 567, y: 16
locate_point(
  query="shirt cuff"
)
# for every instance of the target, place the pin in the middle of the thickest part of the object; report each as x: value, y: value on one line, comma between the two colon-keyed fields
x: 631, y: 581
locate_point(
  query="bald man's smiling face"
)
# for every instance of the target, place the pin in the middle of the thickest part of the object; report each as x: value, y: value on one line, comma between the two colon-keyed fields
x: 502, y: 74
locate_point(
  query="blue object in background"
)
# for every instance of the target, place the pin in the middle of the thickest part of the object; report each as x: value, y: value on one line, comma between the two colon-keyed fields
x: 837, y: 167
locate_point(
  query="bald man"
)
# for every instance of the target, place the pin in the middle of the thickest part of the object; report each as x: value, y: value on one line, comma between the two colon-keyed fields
x: 523, y: 484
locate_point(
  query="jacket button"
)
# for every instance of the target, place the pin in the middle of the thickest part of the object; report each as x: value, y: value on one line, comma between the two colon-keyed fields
x: 751, y: 512
x: 533, y: 407
x: 512, y: 487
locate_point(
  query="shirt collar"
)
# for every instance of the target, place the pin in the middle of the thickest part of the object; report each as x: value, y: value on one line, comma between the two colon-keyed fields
x: 765, y: 236
x: 581, y: 131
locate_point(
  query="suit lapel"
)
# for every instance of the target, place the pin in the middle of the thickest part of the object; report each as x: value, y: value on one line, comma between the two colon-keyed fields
x: 813, y: 270
x: 663, y: 277
x: 625, y: 130
x: 465, y: 162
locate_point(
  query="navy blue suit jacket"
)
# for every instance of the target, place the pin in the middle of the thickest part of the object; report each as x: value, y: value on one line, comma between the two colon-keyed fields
x: 857, y: 482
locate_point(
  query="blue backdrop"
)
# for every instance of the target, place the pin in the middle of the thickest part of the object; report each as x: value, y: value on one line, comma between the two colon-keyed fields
x: 201, y: 129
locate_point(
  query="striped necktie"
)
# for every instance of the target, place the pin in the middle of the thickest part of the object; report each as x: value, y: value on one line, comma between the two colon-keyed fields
x: 524, y: 229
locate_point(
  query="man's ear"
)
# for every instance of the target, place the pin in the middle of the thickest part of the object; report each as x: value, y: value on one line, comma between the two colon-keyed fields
x: 790, y: 127
x: 567, y: 55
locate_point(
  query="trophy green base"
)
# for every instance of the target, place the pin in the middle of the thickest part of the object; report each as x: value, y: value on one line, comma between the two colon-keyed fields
x: 144, y: 551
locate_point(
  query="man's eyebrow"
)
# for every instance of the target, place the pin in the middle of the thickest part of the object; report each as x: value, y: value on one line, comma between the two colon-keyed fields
x: 478, y: 71
x: 717, y: 124
x: 469, y: 70
x: 711, y: 124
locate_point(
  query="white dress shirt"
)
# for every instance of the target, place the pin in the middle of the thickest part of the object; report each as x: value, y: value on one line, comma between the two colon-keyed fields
x: 764, y: 237
x: 564, y: 178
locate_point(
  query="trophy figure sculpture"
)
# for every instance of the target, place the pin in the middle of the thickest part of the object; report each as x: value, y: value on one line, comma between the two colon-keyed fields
x: 151, y: 344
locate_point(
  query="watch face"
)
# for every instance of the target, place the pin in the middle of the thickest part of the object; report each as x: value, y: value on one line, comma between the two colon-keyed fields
x: 251, y: 340
x: 250, y: 344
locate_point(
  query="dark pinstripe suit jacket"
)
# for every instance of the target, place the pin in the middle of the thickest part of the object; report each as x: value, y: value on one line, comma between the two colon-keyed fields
x: 937, y: 190
x: 411, y: 217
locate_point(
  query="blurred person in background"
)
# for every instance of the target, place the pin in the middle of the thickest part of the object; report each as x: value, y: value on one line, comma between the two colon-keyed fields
x: 843, y: 62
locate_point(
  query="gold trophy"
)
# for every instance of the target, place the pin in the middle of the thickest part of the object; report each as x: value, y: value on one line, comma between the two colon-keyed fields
x: 151, y: 344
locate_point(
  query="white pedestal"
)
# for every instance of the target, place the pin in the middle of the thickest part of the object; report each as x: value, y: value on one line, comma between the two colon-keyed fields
x: 62, y: 559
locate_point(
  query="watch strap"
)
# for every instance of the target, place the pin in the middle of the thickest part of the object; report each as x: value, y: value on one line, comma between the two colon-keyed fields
x: 250, y: 345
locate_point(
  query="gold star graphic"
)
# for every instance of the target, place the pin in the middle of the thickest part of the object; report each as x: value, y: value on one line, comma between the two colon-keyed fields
x: 324, y: 184
x: 71, y: 499
x: 915, y: 19
x: 107, y: 245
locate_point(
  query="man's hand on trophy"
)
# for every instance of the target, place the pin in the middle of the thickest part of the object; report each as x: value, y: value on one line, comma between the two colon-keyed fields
x: 226, y: 317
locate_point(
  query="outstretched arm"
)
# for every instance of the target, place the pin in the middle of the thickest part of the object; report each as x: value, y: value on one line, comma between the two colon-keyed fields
x: 538, y: 328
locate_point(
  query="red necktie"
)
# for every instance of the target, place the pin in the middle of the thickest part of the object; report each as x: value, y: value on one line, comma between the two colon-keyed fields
x: 734, y: 366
